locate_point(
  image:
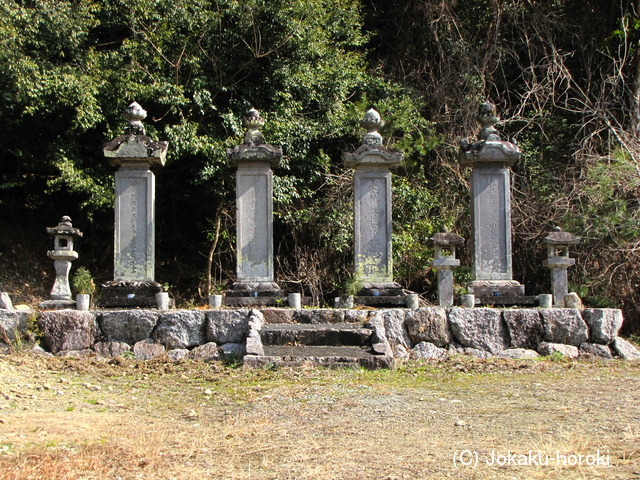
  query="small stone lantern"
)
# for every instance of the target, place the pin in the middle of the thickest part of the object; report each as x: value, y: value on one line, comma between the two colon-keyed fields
x: 62, y: 256
x: 444, y: 261
x: 558, y: 261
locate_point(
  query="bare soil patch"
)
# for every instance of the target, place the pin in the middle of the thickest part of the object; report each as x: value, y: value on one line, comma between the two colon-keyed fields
x: 123, y: 419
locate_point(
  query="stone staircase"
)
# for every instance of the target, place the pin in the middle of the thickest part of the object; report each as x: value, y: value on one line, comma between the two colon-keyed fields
x: 326, y: 344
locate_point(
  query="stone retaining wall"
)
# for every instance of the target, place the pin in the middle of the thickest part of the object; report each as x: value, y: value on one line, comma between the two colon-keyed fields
x: 431, y: 332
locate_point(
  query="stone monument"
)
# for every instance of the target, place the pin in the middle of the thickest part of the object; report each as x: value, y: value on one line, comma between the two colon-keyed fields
x: 254, y: 160
x: 558, y: 262
x: 373, y: 163
x: 444, y: 260
x: 134, y: 237
x: 62, y: 255
x: 489, y: 159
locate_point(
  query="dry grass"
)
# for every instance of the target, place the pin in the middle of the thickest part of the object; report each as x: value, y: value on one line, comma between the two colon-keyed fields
x: 312, y: 424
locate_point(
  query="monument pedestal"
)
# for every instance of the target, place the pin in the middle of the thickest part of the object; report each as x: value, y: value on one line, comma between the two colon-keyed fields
x: 128, y: 294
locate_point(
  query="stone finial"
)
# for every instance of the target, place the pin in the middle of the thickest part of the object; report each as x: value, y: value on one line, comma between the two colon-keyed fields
x: 487, y: 118
x: 372, y: 122
x: 253, y: 122
x: 135, y: 114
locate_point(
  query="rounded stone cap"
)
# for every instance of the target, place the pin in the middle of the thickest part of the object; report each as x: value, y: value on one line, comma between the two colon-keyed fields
x: 560, y: 237
x: 447, y: 238
x: 64, y: 227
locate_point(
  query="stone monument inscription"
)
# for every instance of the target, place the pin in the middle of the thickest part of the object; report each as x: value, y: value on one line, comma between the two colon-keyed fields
x: 493, y: 227
x: 134, y: 240
x: 254, y: 223
x: 372, y: 211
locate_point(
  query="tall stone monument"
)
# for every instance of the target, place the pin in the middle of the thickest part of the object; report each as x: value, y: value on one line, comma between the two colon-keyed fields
x: 134, y: 248
x: 373, y: 163
x: 489, y: 159
x: 62, y: 255
x: 254, y: 160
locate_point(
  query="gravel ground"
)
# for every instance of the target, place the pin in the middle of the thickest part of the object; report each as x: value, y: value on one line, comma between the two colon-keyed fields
x: 462, y: 418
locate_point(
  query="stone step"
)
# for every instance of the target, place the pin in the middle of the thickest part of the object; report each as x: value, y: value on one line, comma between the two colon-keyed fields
x: 328, y: 334
x: 326, y: 356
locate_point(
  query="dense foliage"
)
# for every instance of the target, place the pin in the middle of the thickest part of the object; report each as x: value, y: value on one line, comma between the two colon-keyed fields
x: 565, y: 76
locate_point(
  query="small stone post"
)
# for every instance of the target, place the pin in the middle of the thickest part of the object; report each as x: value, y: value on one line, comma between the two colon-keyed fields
x: 444, y: 261
x: 254, y: 216
x: 134, y: 250
x: 373, y: 163
x: 489, y: 159
x: 62, y: 255
x: 558, y: 262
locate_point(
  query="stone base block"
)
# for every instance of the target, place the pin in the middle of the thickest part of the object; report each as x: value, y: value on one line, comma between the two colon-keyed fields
x: 57, y: 305
x: 381, y: 301
x: 509, y: 301
x: 497, y: 288
x: 381, y: 289
x: 254, y: 289
x: 128, y: 294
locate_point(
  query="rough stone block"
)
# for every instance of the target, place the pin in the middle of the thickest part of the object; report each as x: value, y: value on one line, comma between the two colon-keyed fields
x: 233, y: 350
x: 227, y: 326
x: 394, y: 326
x: 180, y: 329
x: 525, y: 328
x: 604, y: 324
x: 569, y: 351
x: 148, y: 350
x: 111, y: 349
x: 13, y: 323
x: 67, y: 329
x: 428, y: 325
x: 5, y: 301
x: 129, y: 326
x: 572, y: 300
x: 356, y: 316
x: 519, y: 354
x: 624, y: 349
x: 564, y: 325
x: 596, y: 350
x: 399, y: 351
x: 177, y: 354
x: 326, y: 315
x: 278, y: 315
x: 206, y: 353
x: 254, y: 343
x: 428, y: 350
x: 481, y: 328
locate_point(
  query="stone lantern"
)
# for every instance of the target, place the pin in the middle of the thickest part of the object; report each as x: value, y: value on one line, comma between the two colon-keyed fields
x: 489, y: 159
x: 444, y: 260
x: 254, y: 160
x: 558, y: 261
x: 62, y: 255
x: 134, y: 234
x: 373, y: 163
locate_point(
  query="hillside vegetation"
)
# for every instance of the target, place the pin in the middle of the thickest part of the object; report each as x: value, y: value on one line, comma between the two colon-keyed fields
x: 564, y: 74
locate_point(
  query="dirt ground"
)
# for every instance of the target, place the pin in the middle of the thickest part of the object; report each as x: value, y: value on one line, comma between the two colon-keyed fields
x: 463, y: 418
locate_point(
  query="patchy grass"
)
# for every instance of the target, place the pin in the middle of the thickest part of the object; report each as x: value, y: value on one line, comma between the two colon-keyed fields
x: 162, y: 420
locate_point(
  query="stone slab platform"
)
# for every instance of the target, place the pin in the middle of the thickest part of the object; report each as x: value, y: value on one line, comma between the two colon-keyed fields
x: 316, y: 334
x: 326, y: 356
